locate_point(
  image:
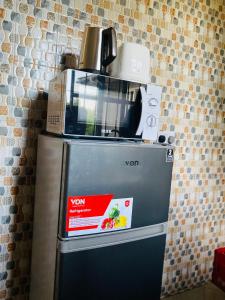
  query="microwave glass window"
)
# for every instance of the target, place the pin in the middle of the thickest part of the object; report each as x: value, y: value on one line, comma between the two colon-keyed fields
x: 87, y: 105
x: 101, y: 105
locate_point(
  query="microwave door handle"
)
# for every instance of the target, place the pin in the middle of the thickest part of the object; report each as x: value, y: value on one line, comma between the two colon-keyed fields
x: 141, y: 122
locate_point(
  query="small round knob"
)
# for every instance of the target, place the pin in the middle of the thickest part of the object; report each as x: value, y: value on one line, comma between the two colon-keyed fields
x: 151, y: 121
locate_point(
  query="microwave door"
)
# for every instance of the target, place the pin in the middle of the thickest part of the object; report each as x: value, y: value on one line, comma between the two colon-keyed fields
x: 124, y: 109
x: 100, y: 107
x: 112, y: 109
x: 71, y: 110
x: 108, y: 109
x: 113, y: 106
x: 87, y: 106
x: 132, y: 106
x: 120, y: 108
x: 112, y: 117
x: 80, y: 106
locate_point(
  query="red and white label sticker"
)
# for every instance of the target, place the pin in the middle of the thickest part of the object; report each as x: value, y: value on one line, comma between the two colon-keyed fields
x: 97, y: 213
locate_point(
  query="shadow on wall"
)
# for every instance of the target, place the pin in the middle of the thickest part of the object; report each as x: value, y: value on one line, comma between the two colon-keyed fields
x: 31, y: 114
x: 23, y: 163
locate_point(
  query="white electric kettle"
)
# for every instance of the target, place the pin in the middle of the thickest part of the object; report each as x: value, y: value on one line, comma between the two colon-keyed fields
x: 132, y: 63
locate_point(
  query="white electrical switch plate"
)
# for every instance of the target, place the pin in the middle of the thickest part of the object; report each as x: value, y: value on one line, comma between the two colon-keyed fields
x: 169, y: 136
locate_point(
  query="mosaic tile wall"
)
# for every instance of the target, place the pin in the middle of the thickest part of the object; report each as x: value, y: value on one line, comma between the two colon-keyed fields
x: 186, y: 40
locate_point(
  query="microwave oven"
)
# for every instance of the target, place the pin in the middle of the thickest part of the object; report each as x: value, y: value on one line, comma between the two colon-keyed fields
x: 83, y: 104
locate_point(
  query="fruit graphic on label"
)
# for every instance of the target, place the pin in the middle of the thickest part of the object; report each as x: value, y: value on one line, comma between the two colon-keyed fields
x: 115, y: 212
x: 115, y: 220
x: 107, y: 223
x: 121, y: 222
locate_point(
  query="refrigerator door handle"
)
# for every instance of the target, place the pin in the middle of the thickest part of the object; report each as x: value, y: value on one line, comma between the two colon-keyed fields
x: 112, y: 238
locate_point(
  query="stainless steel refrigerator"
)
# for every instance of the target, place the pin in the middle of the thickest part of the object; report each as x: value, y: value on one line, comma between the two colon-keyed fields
x: 100, y: 219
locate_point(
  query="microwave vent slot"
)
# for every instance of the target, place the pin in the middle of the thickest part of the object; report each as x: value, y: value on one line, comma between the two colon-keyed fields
x: 54, y: 119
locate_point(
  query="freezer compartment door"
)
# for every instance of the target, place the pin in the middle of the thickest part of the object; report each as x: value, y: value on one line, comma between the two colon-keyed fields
x: 125, y: 271
x: 138, y: 173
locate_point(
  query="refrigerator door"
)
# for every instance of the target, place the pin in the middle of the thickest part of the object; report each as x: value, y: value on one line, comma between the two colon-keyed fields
x: 103, y: 267
x: 138, y: 172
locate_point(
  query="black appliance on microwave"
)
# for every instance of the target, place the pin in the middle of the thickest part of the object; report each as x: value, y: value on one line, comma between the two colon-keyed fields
x: 83, y: 104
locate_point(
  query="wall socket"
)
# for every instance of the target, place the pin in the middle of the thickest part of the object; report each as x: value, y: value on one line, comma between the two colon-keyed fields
x: 169, y: 137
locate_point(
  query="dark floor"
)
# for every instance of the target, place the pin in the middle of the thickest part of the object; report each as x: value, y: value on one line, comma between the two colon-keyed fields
x: 207, y: 292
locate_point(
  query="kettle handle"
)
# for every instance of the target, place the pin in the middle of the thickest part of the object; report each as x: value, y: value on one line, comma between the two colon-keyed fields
x: 109, y: 46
